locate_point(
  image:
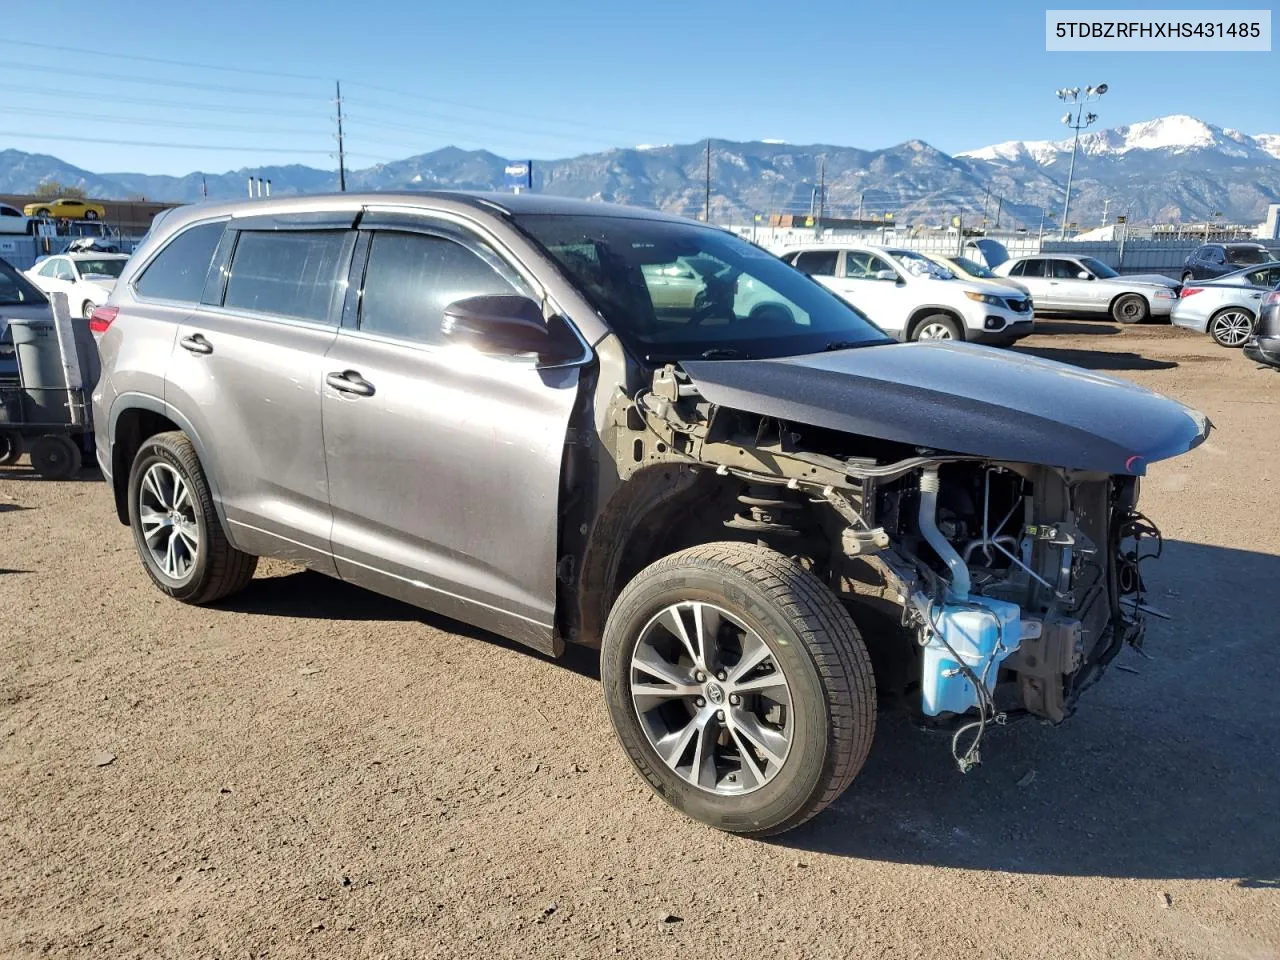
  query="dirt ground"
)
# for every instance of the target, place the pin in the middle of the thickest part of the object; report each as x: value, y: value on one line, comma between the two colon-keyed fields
x: 313, y: 771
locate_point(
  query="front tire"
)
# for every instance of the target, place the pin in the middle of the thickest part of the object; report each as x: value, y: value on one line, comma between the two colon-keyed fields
x: 86, y: 309
x: 937, y: 326
x: 1130, y: 308
x: 175, y: 527
x: 1187, y: 276
x: 738, y: 686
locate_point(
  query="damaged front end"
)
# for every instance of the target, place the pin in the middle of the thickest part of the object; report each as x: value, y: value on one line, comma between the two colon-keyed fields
x: 1013, y: 584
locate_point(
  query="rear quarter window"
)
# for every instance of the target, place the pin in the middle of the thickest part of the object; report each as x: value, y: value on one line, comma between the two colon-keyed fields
x: 178, y: 272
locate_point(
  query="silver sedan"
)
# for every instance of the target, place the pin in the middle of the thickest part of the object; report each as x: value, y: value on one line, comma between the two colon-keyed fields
x: 1226, y: 308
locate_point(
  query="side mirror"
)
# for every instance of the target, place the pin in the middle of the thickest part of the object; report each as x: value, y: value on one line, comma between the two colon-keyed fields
x: 1085, y: 275
x: 506, y: 325
x: 886, y: 275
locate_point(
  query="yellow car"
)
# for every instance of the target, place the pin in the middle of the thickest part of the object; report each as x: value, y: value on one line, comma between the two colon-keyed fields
x: 64, y: 208
x: 967, y: 269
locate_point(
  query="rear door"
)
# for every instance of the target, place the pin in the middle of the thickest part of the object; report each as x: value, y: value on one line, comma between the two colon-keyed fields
x: 443, y: 463
x: 247, y: 369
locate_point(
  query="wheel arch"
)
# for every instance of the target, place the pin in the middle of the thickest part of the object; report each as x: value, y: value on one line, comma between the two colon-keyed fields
x: 1111, y: 304
x: 920, y: 313
x: 135, y: 417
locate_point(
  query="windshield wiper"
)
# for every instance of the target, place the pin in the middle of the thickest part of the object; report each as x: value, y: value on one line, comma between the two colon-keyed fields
x: 844, y: 345
x: 722, y: 353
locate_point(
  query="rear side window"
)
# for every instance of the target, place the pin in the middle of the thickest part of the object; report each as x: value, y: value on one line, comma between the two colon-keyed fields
x: 817, y: 263
x: 179, y: 271
x: 1033, y: 268
x: 287, y: 273
x: 1247, y: 255
x: 412, y: 277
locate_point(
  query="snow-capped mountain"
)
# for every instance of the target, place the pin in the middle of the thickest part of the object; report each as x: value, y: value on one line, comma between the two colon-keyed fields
x: 1170, y: 168
x: 1173, y: 135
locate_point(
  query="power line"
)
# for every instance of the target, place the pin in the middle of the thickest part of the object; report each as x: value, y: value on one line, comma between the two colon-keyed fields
x: 151, y: 123
x: 254, y: 91
x: 143, y: 101
x: 148, y: 143
x: 98, y: 54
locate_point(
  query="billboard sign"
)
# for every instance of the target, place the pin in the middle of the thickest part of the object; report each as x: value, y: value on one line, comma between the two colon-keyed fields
x: 519, y: 175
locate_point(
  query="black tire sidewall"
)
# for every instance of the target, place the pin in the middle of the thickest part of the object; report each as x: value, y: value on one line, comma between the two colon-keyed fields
x: 64, y: 446
x: 157, y: 451
x: 11, y: 447
x: 801, y: 775
x: 1129, y: 298
x: 956, y: 332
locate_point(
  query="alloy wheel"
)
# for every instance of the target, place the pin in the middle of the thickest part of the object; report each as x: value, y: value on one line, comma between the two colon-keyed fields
x: 167, y: 514
x: 711, y: 698
x: 935, y: 331
x: 1232, y: 328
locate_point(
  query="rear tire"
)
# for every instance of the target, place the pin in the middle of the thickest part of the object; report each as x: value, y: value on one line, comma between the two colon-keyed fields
x: 55, y: 457
x: 1231, y: 327
x: 91, y: 214
x: 1130, y: 308
x: 176, y: 528
x: 1187, y: 277
x: 815, y: 661
x: 86, y: 309
x: 937, y: 326
x: 11, y: 447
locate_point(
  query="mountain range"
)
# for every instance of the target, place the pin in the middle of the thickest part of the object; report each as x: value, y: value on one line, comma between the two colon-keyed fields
x: 1170, y: 168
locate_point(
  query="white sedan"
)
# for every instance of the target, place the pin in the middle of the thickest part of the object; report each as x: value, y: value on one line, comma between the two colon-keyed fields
x: 86, y: 278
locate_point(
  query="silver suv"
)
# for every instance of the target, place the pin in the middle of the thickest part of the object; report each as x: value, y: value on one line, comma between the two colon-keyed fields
x: 572, y: 422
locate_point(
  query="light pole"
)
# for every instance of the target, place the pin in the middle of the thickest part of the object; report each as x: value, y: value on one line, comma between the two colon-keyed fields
x: 1074, y: 96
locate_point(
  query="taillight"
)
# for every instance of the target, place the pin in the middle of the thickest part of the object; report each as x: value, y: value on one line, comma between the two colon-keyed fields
x: 1188, y: 291
x: 1273, y: 298
x: 101, y: 318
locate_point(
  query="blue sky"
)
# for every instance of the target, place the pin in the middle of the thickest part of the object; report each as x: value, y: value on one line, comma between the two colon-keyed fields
x: 561, y: 77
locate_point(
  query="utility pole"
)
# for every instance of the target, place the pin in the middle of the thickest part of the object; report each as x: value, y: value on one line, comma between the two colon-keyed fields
x: 342, y: 156
x: 822, y: 192
x: 861, y: 196
x: 999, y: 209
x: 1106, y: 208
x: 204, y: 188
x: 707, y: 214
x: 986, y: 200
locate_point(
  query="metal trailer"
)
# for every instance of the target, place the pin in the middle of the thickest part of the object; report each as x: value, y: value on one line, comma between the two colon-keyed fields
x: 48, y: 368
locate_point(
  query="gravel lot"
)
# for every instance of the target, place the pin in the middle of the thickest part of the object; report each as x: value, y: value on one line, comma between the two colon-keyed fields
x: 311, y: 770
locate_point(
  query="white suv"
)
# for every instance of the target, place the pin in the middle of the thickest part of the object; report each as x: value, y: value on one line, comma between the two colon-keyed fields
x: 913, y: 297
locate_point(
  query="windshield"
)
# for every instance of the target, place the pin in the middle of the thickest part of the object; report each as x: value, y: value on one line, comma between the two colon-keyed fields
x: 676, y: 291
x: 1098, y: 268
x: 100, y: 268
x: 15, y: 289
x: 1247, y: 255
x: 973, y: 268
x: 921, y: 265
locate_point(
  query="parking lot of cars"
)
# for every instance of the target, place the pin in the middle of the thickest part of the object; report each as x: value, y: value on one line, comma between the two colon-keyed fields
x: 309, y: 769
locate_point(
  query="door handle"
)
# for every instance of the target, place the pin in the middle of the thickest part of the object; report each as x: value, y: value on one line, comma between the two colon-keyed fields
x: 350, y: 381
x: 196, y: 343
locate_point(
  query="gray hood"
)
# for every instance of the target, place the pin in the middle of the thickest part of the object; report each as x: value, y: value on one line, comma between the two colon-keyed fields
x: 963, y: 398
x: 1148, y: 279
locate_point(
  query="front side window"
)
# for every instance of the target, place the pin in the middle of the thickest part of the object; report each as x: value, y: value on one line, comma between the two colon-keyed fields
x: 817, y: 263
x: 1098, y: 268
x: 286, y: 273
x: 746, y: 303
x: 49, y: 269
x: 1063, y: 269
x: 1215, y: 255
x: 973, y: 268
x: 8, y: 211
x: 179, y: 271
x: 412, y: 277
x: 861, y: 265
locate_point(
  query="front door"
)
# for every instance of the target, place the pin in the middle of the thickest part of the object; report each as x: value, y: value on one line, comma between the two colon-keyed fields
x: 443, y: 463
x: 871, y: 283
x: 1067, y: 290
